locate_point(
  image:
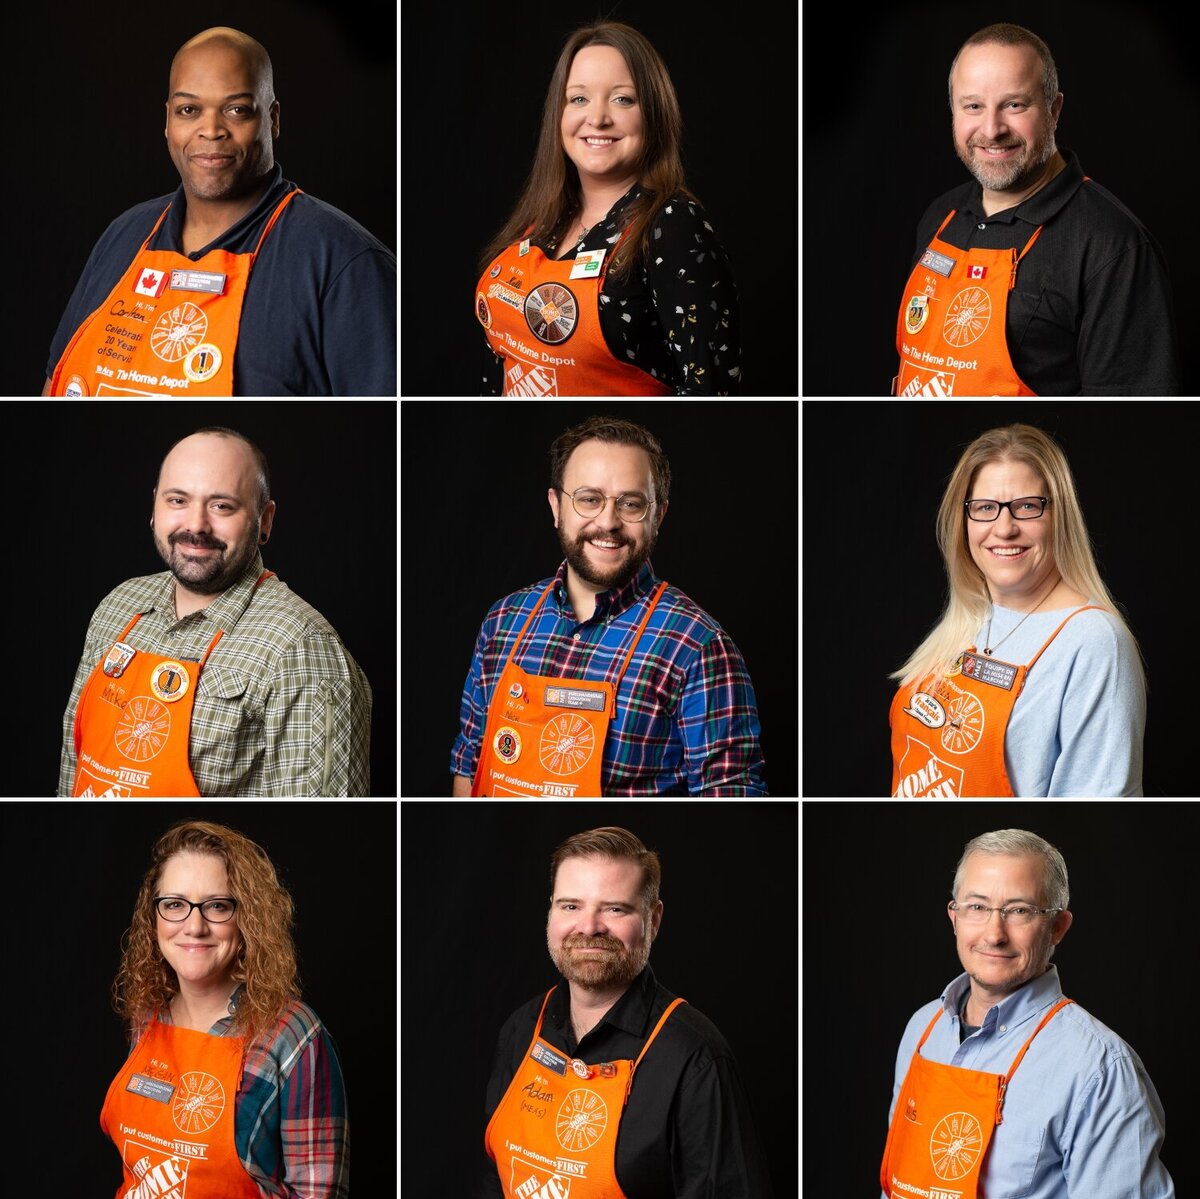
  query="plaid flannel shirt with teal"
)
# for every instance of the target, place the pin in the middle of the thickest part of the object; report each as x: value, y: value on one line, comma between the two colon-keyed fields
x: 687, y: 719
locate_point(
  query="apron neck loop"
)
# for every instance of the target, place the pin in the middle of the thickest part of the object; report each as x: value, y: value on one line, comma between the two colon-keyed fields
x: 637, y: 636
x: 274, y: 217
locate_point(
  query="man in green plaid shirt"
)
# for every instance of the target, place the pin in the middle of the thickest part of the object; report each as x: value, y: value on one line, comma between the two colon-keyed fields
x: 280, y: 707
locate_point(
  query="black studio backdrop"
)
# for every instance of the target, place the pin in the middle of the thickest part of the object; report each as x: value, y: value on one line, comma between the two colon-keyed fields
x: 477, y: 526
x: 874, y: 474
x: 95, y: 81
x: 877, y: 151
x: 338, y: 860
x: 473, y: 96
x: 727, y: 945
x: 85, y: 474
x: 878, y: 945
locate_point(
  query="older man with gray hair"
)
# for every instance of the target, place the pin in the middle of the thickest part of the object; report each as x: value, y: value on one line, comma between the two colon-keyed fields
x: 1003, y: 1085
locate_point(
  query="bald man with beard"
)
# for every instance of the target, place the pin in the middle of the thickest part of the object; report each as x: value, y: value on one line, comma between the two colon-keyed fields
x: 238, y: 284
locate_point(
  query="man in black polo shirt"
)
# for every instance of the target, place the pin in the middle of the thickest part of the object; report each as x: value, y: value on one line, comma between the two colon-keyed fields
x: 564, y: 1063
x: 239, y: 283
x: 1032, y: 280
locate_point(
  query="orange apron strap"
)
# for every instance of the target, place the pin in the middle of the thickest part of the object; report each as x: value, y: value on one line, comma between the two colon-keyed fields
x: 1062, y: 1003
x: 654, y: 1033
x: 266, y: 574
x: 1085, y: 608
x: 945, y: 222
x: 274, y: 217
x: 211, y: 646
x: 536, y: 608
x: 638, y: 635
x: 161, y: 217
x: 126, y: 629
x: 1017, y: 1060
x: 537, y: 1028
x: 1012, y: 278
x: 925, y: 1035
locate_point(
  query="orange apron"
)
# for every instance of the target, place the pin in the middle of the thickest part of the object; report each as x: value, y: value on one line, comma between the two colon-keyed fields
x: 950, y: 333
x: 542, y: 317
x: 168, y: 328
x: 133, y: 723
x: 170, y: 1112
x: 555, y: 1131
x: 965, y: 714
x: 545, y: 735
x: 943, y: 1124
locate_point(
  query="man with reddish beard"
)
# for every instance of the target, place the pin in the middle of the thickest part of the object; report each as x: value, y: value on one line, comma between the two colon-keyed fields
x: 604, y: 680
x: 213, y: 677
x: 1003, y: 1085
x: 1034, y: 279
x: 608, y: 1085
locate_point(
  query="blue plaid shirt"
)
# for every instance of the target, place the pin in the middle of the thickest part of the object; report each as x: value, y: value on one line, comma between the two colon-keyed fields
x: 687, y: 720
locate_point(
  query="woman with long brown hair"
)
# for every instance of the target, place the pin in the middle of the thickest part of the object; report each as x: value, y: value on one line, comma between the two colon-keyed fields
x: 233, y: 1087
x: 607, y: 278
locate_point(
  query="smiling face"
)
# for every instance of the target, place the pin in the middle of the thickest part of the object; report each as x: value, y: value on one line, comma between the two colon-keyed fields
x: 602, y: 118
x: 1016, y: 556
x: 1003, y: 131
x: 206, y: 521
x: 202, y: 954
x: 221, y: 122
x: 597, y: 932
x: 1001, y: 959
x: 603, y: 551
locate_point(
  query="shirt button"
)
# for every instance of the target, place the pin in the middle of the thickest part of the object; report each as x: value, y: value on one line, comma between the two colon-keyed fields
x: 1004, y: 1028
x: 982, y: 225
x: 576, y: 636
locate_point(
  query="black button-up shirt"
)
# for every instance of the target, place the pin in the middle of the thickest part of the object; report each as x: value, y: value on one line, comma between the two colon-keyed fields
x: 687, y: 1131
x: 1091, y: 313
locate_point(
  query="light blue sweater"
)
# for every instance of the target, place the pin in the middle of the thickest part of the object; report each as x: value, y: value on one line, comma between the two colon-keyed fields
x: 1077, y: 728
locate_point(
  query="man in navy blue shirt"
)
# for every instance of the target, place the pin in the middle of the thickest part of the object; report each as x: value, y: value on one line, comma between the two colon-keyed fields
x: 299, y: 299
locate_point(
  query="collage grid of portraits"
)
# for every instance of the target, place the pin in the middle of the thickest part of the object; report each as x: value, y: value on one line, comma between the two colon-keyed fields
x: 834, y: 445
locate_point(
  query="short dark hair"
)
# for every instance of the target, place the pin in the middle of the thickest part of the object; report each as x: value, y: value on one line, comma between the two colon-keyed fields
x: 1004, y: 34
x: 612, y: 842
x: 260, y: 460
x: 616, y: 432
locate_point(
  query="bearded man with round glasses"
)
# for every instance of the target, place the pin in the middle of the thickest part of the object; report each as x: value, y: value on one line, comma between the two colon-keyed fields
x: 1033, y: 279
x: 604, y: 680
x: 1003, y: 1085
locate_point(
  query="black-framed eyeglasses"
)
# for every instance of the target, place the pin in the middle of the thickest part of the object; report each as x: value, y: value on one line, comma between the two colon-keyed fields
x: 1028, y: 507
x: 1017, y: 915
x: 632, y: 507
x: 176, y: 909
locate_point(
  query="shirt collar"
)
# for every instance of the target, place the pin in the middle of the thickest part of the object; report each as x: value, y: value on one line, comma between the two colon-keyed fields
x: 170, y: 234
x: 1042, y: 206
x: 1010, y: 1013
x: 224, y: 612
x: 611, y: 603
x: 630, y: 1013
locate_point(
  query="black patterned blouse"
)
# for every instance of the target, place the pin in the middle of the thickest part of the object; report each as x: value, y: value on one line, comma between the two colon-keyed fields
x: 677, y: 317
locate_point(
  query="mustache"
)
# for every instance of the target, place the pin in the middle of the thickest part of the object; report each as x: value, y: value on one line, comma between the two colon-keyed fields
x: 197, y: 539
x: 593, y: 943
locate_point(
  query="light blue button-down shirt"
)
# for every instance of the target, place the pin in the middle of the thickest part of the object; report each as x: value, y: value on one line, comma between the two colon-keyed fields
x: 1081, y: 1116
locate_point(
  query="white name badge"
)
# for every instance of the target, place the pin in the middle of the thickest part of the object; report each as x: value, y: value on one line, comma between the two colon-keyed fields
x: 587, y: 264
